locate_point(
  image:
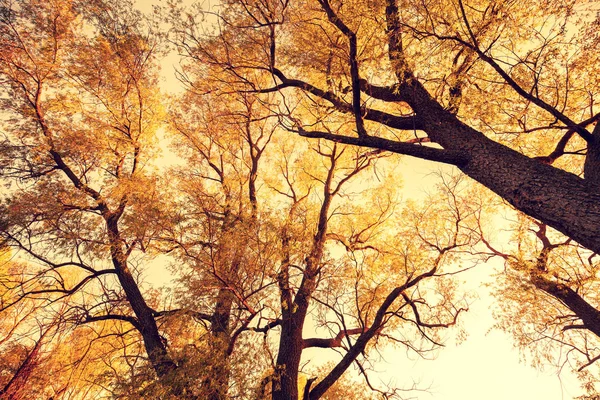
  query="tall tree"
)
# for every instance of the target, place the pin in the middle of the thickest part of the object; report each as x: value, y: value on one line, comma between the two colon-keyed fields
x: 501, y: 90
x: 81, y: 111
x: 219, y: 238
x: 263, y: 212
x: 468, y: 78
x: 272, y: 231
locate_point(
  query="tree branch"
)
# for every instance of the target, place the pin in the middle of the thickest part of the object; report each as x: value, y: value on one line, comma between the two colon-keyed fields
x: 414, y: 150
x: 331, y: 342
x: 108, y: 317
x: 354, y: 73
x: 378, y: 92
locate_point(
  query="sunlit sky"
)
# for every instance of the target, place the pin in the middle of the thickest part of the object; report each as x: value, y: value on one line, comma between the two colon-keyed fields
x: 485, y: 365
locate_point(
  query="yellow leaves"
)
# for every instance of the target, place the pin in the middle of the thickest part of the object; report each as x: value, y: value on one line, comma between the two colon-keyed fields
x: 95, y: 109
x: 38, y: 29
x: 251, y: 201
x: 542, y: 325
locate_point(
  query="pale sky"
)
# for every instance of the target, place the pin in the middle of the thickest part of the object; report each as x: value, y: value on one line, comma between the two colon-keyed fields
x: 485, y: 365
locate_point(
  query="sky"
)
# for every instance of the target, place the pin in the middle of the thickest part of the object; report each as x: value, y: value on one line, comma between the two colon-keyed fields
x: 485, y: 365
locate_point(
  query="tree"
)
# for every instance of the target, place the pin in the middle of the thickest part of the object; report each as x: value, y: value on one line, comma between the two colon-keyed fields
x: 433, y: 68
x: 305, y: 234
x: 552, y: 314
x: 84, y: 209
x: 218, y: 237
x: 81, y: 114
x: 272, y: 231
x: 43, y: 355
x: 503, y: 91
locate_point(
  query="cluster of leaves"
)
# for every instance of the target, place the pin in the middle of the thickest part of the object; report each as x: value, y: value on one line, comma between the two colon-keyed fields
x: 265, y: 232
x: 282, y: 220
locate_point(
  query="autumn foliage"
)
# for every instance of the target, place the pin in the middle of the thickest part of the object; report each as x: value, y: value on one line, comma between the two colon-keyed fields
x: 203, y: 243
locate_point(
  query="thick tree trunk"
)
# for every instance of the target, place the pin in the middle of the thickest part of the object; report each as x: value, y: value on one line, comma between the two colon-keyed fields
x: 285, y: 386
x: 291, y: 342
x: 560, y: 199
x: 591, y: 167
x: 293, y: 314
x: 588, y: 314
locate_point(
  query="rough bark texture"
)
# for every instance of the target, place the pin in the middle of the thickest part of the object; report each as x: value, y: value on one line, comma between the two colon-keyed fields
x: 290, y: 352
x: 217, y: 382
x: 591, y: 167
x: 291, y: 342
x: 558, y: 198
x: 588, y: 314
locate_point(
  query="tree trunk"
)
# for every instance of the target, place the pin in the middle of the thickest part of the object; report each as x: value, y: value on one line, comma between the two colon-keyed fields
x: 591, y: 167
x: 285, y: 386
x: 291, y: 342
x: 588, y: 314
x: 217, y: 383
x: 560, y: 199
x: 156, y: 349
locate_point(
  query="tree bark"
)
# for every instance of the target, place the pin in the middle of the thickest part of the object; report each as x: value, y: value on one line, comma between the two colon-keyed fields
x: 293, y: 314
x: 155, y: 347
x: 291, y: 342
x: 588, y: 314
x: 285, y: 386
x: 558, y: 198
x: 216, y: 384
x: 591, y: 168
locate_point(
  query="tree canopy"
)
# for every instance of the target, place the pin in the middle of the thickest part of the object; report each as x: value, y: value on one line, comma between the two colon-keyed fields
x: 281, y: 217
